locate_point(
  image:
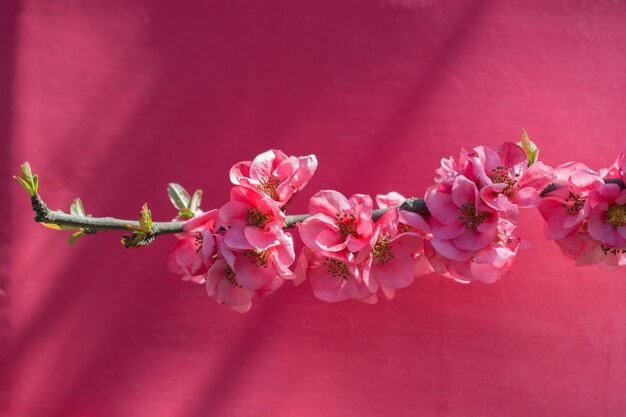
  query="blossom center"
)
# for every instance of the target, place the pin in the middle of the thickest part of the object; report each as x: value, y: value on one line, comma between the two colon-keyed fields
x: 610, y: 250
x: 504, y: 175
x: 346, y: 222
x: 268, y: 186
x: 616, y: 215
x: 470, y: 218
x: 256, y: 218
x: 230, y: 277
x: 337, y: 268
x: 382, y: 249
x: 258, y: 257
x: 197, y: 241
x: 574, y: 203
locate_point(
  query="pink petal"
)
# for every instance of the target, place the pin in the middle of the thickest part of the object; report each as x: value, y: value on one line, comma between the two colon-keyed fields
x: 463, y: 191
x: 261, y: 238
x: 440, y: 204
x: 328, y: 202
x: 263, y: 164
x: 448, y: 250
x: 511, y: 154
x: 240, y: 170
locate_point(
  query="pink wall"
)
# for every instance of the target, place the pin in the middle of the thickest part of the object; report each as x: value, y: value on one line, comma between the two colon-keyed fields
x: 111, y: 100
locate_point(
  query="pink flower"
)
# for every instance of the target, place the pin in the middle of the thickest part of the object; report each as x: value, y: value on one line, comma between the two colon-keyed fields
x: 486, y: 265
x: 254, y: 221
x: 586, y: 250
x: 389, y: 261
x: 565, y: 208
x: 505, y: 179
x: 607, y: 220
x: 237, y: 276
x: 333, y: 276
x: 460, y: 222
x: 193, y: 255
x: 223, y: 287
x: 275, y: 174
x: 261, y: 269
x: 337, y: 223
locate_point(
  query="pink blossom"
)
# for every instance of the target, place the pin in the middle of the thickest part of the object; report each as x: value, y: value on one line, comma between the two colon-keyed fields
x: 237, y: 276
x: 586, y: 250
x: 337, y: 223
x: 254, y: 221
x: 261, y: 270
x: 222, y: 285
x: 193, y: 255
x: 607, y: 220
x: 460, y: 222
x: 389, y: 260
x: 275, y: 174
x: 505, y: 179
x: 565, y: 208
x: 486, y: 265
x: 333, y: 276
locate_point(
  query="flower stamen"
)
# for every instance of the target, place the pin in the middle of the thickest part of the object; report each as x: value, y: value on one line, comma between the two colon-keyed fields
x: 382, y: 250
x: 577, y: 203
x: 616, y: 215
x: 337, y: 268
x: 346, y: 222
x: 269, y: 186
x: 258, y: 257
x: 231, y: 277
x: 470, y: 218
x: 256, y: 218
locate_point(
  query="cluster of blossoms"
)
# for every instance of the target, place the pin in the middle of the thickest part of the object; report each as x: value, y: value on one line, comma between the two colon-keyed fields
x: 241, y: 249
x: 351, y: 251
x: 474, y: 208
x: 586, y: 213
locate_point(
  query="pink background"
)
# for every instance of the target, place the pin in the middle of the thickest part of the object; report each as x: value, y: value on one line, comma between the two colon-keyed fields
x: 111, y: 100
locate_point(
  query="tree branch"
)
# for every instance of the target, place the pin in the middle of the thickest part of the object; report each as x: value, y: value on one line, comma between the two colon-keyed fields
x: 94, y: 224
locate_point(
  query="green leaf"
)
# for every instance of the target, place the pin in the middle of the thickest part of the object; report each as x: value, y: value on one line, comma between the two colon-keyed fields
x: 75, y: 236
x: 178, y: 195
x: 24, y: 184
x: 59, y: 226
x: 29, y: 181
x: 134, y: 228
x: 529, y: 147
x: 185, y: 214
x: 145, y: 219
x: 194, y: 205
x: 27, y: 173
x: 77, y: 208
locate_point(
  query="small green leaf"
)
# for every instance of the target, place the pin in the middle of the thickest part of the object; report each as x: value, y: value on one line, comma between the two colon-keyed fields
x: 24, y: 184
x: 52, y: 226
x: 134, y: 228
x: 59, y: 226
x: 75, y: 237
x: 77, y: 208
x: 145, y: 219
x: 185, y: 214
x: 529, y: 147
x: 27, y: 173
x: 178, y: 195
x: 194, y: 205
x: 35, y: 183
